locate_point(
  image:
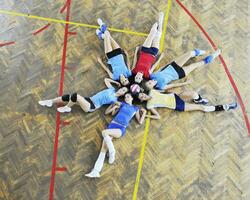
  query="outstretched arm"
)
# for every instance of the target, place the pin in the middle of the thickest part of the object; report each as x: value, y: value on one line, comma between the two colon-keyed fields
x: 108, y: 82
x: 154, y: 114
x: 156, y: 63
x: 104, y: 67
x: 177, y: 85
x: 128, y: 60
x: 135, y: 57
x: 140, y: 115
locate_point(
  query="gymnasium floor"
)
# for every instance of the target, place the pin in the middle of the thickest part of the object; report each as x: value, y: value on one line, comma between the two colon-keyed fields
x: 44, y: 155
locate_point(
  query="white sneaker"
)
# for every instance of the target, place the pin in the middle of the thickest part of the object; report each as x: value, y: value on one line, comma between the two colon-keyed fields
x: 93, y: 174
x: 47, y: 103
x: 64, y: 109
x: 111, y: 157
x: 216, y: 53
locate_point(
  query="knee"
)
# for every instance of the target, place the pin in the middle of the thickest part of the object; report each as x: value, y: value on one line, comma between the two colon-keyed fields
x: 73, y: 97
x: 104, y: 133
x: 65, y: 97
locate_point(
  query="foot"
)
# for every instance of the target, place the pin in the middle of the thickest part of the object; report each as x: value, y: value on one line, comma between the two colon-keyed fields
x: 211, y: 57
x: 199, y: 52
x: 103, y: 27
x: 64, y: 109
x: 93, y: 174
x: 160, y: 20
x: 200, y: 100
x: 230, y: 106
x: 47, y: 103
x: 111, y: 157
x: 100, y: 34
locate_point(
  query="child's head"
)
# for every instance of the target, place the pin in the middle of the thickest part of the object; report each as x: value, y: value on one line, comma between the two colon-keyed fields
x: 123, y: 80
x: 138, y: 77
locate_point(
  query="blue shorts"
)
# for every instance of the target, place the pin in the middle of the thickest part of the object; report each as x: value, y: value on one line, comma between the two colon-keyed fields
x: 180, y: 104
x: 152, y: 50
x: 117, y: 126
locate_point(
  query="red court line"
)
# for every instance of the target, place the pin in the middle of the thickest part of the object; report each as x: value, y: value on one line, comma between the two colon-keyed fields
x: 64, y: 123
x: 61, y: 169
x: 6, y: 44
x: 73, y: 33
x: 224, y: 65
x: 53, y: 170
x: 41, y: 29
x: 64, y: 7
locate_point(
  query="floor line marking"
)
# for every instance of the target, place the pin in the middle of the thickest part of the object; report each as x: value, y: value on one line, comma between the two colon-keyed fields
x: 53, y: 169
x: 41, y: 29
x: 146, y: 131
x: 224, y: 65
x: 69, y: 22
x: 6, y: 44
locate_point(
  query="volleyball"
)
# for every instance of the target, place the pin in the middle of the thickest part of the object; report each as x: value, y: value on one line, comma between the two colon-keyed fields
x: 135, y: 88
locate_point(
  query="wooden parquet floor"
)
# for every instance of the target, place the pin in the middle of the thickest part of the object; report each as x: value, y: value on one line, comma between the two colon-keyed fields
x: 189, y: 156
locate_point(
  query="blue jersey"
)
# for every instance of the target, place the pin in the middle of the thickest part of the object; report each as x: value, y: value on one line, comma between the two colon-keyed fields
x: 125, y: 114
x: 106, y: 96
x: 164, y: 77
x: 119, y: 67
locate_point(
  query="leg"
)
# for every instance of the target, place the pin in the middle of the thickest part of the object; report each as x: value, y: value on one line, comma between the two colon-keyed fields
x: 192, y: 67
x: 95, y: 172
x: 188, y: 95
x: 148, y: 42
x: 114, y: 44
x: 107, y: 135
x: 197, y: 107
x: 181, y: 60
x: 75, y: 98
x: 157, y: 38
x: 107, y: 43
x: 50, y: 102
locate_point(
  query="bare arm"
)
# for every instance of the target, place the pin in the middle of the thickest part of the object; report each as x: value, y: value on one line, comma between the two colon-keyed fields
x: 135, y: 57
x: 128, y: 61
x: 154, y: 114
x: 108, y: 82
x: 105, y: 67
x: 140, y: 115
x: 156, y: 63
x: 112, y: 109
x: 177, y: 85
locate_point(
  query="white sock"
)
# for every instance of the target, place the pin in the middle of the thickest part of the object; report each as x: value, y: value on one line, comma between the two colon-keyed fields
x: 195, y: 96
x: 109, y: 143
x: 209, y: 108
x: 100, y: 161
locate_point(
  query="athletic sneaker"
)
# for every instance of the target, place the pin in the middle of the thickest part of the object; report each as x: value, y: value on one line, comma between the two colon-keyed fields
x: 93, y: 174
x: 230, y: 106
x: 211, y: 57
x: 64, y: 109
x: 48, y: 103
x: 111, y: 157
x: 200, y: 100
x: 103, y: 26
x: 99, y: 34
x: 199, y: 52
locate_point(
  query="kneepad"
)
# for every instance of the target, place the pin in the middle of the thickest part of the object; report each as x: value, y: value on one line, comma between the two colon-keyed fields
x: 65, y: 97
x: 73, y: 97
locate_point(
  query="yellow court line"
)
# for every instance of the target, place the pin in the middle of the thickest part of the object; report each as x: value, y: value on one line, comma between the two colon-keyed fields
x: 69, y: 22
x: 146, y: 131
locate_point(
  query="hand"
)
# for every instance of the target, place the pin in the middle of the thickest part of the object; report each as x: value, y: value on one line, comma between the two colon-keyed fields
x: 118, y: 84
x: 143, y: 111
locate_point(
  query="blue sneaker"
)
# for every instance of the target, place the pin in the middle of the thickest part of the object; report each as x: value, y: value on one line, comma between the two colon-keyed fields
x: 103, y: 26
x: 211, y: 57
x: 199, y: 52
x: 99, y: 34
x: 230, y: 106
